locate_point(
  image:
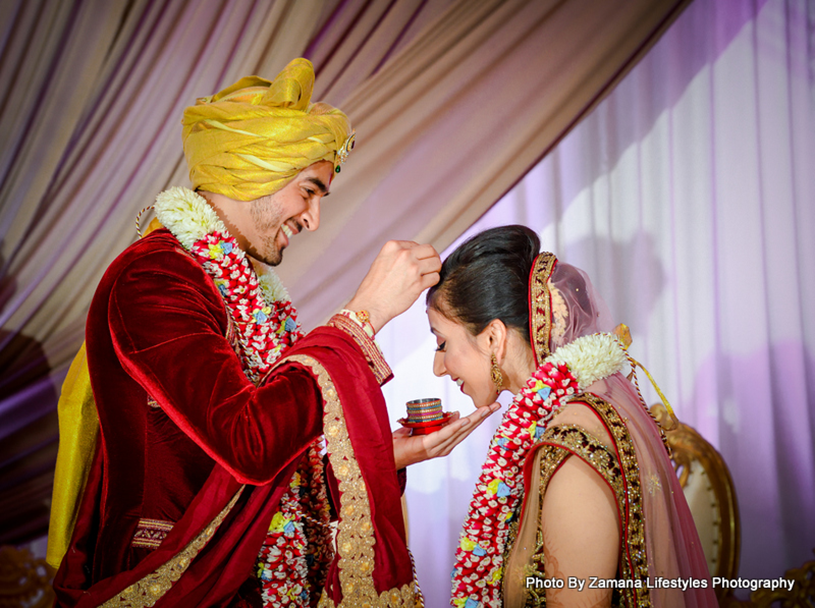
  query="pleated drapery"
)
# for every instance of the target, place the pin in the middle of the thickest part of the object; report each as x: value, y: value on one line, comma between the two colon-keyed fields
x: 454, y: 118
x: 91, y: 133
x: 453, y: 101
x: 688, y: 196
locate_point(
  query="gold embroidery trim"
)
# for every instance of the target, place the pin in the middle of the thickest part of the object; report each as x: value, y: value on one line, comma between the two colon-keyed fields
x: 622, y: 475
x: 150, y: 589
x: 551, y: 459
x: 540, y: 318
x: 577, y: 441
x: 633, y: 558
x: 150, y: 533
x: 355, y: 535
x: 376, y: 361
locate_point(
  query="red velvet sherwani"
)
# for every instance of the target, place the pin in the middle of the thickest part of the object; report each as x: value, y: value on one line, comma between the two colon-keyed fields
x: 193, y: 457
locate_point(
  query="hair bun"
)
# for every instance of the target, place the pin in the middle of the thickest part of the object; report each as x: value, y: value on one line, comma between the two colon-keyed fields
x: 486, y: 278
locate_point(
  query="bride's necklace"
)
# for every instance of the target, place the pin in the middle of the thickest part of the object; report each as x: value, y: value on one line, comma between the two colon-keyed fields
x: 568, y: 371
x: 295, y: 553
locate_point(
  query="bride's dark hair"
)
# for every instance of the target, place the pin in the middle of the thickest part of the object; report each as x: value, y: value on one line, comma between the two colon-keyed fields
x: 487, y: 278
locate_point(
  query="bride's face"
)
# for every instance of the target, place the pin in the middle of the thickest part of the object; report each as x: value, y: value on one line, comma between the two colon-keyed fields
x: 463, y: 357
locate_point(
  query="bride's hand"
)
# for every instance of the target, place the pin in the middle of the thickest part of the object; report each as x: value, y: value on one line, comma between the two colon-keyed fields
x: 410, y: 450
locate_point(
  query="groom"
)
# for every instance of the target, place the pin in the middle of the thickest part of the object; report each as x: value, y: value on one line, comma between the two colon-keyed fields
x: 210, y: 484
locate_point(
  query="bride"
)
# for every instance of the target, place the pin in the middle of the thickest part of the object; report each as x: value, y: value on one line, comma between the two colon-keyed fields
x: 577, y: 503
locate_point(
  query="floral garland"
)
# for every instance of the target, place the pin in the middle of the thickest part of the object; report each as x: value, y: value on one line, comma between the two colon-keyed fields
x: 255, y: 297
x: 569, y: 371
x: 298, y: 544
x: 266, y: 323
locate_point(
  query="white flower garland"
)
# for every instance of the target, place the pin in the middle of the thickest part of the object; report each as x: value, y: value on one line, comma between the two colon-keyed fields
x: 190, y: 218
x: 187, y: 215
x: 591, y: 358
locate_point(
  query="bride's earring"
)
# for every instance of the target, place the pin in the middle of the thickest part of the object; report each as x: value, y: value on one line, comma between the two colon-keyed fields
x: 496, y: 375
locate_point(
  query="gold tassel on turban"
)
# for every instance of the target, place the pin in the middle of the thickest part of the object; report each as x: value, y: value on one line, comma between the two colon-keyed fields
x: 252, y: 138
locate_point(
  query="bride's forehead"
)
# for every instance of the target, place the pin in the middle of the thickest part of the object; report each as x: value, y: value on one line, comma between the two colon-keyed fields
x: 436, y: 319
x: 442, y: 325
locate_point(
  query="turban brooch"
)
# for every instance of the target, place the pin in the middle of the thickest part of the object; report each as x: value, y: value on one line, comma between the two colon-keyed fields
x: 252, y: 138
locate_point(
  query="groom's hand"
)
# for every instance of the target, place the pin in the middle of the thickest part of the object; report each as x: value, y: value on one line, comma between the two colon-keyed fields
x: 410, y: 450
x: 398, y: 276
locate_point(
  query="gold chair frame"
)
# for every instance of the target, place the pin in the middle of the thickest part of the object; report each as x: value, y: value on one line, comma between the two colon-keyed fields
x: 689, y: 450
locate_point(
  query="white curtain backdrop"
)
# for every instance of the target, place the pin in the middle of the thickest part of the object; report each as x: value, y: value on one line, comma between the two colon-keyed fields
x: 687, y: 196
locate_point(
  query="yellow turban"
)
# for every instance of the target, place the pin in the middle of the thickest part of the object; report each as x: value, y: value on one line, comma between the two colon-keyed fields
x: 252, y: 138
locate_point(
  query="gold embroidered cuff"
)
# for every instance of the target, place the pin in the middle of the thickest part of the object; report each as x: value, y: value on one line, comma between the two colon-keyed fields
x: 361, y: 318
x: 376, y: 361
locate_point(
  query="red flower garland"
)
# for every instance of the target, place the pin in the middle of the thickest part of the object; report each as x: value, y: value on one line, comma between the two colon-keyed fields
x: 477, y: 575
x: 265, y: 329
x: 296, y: 550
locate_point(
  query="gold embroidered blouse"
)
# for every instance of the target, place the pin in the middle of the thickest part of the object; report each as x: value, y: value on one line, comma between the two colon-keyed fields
x: 618, y: 467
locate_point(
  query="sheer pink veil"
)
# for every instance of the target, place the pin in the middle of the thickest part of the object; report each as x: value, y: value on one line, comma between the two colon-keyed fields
x: 672, y: 542
x: 577, y: 308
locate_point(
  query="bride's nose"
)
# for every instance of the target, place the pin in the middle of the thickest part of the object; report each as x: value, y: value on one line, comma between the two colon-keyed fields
x: 438, y: 365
